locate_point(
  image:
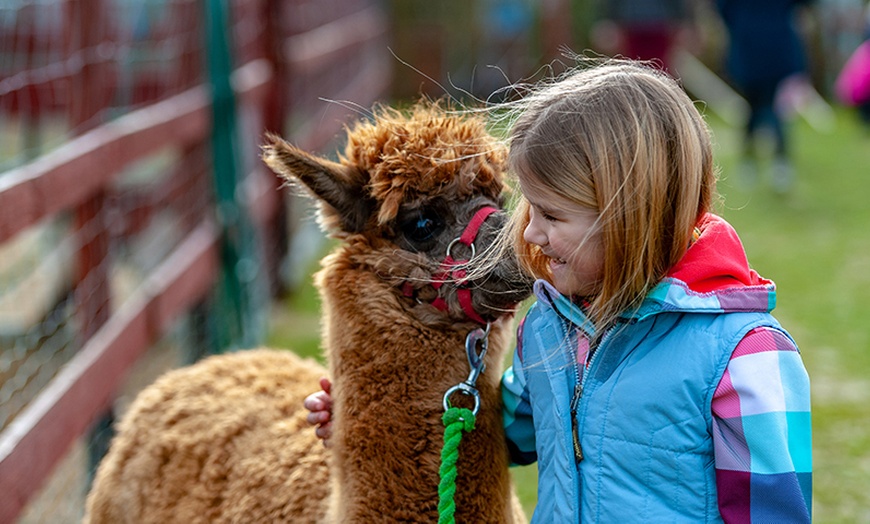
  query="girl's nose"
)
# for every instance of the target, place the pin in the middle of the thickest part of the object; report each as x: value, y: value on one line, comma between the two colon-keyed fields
x: 533, y: 234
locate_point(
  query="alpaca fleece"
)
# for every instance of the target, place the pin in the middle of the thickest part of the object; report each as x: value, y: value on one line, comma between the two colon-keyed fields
x: 224, y: 440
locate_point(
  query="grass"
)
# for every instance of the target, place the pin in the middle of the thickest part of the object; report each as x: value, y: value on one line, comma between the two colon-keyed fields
x: 813, y: 242
x: 295, y: 322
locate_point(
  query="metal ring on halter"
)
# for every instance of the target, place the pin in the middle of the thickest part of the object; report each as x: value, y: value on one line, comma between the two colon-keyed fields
x: 452, y: 243
x: 465, y: 389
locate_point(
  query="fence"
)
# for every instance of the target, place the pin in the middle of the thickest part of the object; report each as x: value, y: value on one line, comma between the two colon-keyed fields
x: 138, y: 229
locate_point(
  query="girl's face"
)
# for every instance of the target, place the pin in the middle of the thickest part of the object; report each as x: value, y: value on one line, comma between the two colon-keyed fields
x: 559, y: 227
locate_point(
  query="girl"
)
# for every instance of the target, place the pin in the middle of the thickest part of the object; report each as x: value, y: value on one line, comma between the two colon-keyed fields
x: 650, y: 381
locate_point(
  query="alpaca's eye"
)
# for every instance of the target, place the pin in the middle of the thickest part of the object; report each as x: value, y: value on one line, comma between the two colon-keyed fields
x: 422, y: 227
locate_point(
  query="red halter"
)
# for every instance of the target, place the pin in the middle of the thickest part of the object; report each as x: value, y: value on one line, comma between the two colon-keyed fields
x: 450, y: 271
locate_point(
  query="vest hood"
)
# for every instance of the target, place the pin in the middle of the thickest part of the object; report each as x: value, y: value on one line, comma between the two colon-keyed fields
x: 713, y: 277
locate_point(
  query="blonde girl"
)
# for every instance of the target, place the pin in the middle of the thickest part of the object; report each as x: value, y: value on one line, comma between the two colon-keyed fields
x: 650, y: 381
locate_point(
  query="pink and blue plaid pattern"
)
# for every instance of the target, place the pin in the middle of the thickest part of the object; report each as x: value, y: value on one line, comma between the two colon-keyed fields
x: 762, y: 434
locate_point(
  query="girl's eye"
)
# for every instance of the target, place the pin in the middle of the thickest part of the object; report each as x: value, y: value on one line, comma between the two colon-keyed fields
x: 540, y: 213
x: 546, y: 216
x: 423, y: 227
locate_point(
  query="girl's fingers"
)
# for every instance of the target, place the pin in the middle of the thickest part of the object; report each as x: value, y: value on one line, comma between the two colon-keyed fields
x: 319, y: 405
x: 317, y: 417
x: 318, y: 401
x: 324, y: 433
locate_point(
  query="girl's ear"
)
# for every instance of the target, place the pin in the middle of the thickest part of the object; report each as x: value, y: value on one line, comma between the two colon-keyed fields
x: 341, y: 190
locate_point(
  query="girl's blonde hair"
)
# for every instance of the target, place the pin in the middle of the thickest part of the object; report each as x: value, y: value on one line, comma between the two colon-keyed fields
x: 625, y: 140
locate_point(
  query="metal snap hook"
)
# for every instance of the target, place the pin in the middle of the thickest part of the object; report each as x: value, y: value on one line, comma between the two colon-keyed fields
x: 475, y: 359
x: 477, y: 365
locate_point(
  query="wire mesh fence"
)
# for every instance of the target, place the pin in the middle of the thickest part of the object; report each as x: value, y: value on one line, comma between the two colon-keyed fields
x: 130, y: 52
x: 111, y: 229
x: 145, y: 54
x: 67, y: 69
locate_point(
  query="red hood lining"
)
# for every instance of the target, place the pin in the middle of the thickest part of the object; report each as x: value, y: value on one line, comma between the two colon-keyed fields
x: 716, y: 260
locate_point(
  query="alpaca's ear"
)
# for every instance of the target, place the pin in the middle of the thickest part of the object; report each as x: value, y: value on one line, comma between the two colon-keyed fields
x: 341, y: 187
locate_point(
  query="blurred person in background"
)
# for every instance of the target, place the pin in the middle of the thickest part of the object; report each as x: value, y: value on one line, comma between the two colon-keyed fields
x: 504, y: 44
x: 645, y: 29
x: 765, y: 49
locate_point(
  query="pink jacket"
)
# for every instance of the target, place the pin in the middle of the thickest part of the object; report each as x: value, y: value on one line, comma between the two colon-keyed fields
x: 853, y: 83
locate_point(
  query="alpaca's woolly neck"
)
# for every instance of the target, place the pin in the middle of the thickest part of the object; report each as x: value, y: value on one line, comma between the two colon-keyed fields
x: 388, y: 433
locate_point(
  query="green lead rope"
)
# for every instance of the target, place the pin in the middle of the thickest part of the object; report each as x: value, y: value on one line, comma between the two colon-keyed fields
x: 456, y: 420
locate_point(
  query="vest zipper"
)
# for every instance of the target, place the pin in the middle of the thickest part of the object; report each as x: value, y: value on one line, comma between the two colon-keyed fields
x: 575, y: 429
x: 578, y: 391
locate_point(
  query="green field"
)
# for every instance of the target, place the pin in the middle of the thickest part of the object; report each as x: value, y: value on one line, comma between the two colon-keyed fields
x: 814, y: 243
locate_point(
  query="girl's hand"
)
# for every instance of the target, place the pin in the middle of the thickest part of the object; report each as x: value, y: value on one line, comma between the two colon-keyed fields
x: 320, y: 406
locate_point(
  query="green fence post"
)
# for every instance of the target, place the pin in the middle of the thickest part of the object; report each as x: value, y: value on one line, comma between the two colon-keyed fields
x: 236, y: 320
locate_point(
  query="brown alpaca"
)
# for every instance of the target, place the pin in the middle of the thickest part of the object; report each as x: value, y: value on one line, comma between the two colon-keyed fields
x: 226, y: 440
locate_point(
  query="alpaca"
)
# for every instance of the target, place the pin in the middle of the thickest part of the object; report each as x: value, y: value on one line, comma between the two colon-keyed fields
x: 225, y: 440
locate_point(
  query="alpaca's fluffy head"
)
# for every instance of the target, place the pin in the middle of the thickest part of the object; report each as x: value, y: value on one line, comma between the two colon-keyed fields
x: 406, y: 186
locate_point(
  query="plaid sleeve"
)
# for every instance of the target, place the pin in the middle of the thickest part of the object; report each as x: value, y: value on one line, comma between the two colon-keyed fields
x: 517, y: 410
x: 761, y: 432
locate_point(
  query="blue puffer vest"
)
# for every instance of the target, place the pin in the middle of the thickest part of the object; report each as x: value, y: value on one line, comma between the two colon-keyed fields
x: 644, y: 414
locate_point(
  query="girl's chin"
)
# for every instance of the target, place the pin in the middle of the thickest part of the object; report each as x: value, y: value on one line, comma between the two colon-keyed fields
x: 562, y: 284
x: 566, y: 285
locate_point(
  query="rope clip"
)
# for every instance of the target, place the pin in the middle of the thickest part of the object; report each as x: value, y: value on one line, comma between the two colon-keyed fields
x: 475, y: 362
